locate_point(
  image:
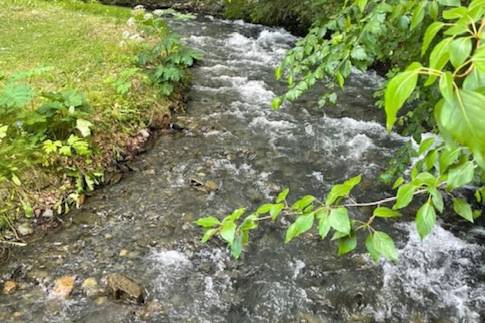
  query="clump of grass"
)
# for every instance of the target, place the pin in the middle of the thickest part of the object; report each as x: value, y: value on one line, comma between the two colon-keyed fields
x: 86, y: 93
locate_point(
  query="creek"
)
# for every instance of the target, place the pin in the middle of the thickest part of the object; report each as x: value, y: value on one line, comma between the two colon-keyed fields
x: 142, y: 226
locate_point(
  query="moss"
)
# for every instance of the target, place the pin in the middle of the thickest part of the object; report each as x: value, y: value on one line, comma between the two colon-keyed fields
x: 84, y: 47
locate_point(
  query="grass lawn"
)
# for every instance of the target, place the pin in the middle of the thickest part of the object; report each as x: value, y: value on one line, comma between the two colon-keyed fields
x: 71, y: 45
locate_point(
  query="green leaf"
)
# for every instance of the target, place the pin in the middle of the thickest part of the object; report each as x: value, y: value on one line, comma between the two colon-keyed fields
x: 425, y: 145
x: 446, y: 87
x: 450, y: 3
x: 276, y: 103
x: 208, y: 222
x: 323, y: 222
x: 404, y: 196
x: 234, y: 216
x: 463, y: 209
x: 431, y: 159
x: 439, y: 57
x: 424, y: 178
x: 209, y: 234
x: 384, y: 212
x: 463, y: 119
x: 461, y: 175
x: 418, y: 14
x: 384, y: 245
x: 425, y: 219
x: 236, y: 246
x: 346, y: 244
x: 460, y: 49
x: 16, y: 95
x: 282, y: 196
x: 265, y: 208
x: 303, y: 202
x: 429, y: 35
x: 228, y: 231
x: 84, y: 127
x: 437, y: 198
x: 398, y: 91
x: 278, y: 72
x: 275, y: 211
x: 479, y: 59
x: 369, y: 244
x: 342, y: 190
x: 361, y: 4
x: 398, y: 182
x: 339, y: 220
x: 448, y: 157
x: 302, y: 224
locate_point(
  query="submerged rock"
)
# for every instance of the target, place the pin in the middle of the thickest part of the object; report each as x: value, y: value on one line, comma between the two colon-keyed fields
x: 9, y: 287
x: 63, y: 286
x: 90, y: 287
x: 123, y: 286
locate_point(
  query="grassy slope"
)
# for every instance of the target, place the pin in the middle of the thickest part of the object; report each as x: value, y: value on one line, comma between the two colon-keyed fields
x: 84, y: 46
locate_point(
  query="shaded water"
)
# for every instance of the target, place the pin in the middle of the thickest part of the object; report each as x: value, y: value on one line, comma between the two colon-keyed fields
x: 252, y: 153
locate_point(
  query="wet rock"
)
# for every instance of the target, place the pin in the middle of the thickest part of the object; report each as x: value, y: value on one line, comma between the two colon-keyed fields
x: 48, y: 213
x: 101, y: 300
x: 9, y: 287
x: 25, y: 229
x: 123, y: 286
x: 211, y: 186
x: 90, y: 287
x: 63, y: 286
x: 151, y: 309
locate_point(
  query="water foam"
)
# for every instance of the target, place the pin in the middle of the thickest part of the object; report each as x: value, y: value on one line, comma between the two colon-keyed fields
x: 438, y: 272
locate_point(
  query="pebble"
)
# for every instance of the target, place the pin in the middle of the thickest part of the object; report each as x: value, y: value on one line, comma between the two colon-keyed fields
x: 101, y: 300
x: 90, y: 287
x: 63, y: 286
x: 108, y: 236
x: 9, y: 287
x: 25, y: 229
x: 48, y: 213
x: 123, y: 253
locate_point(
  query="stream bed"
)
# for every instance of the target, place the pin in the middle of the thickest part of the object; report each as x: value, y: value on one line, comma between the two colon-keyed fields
x: 142, y: 226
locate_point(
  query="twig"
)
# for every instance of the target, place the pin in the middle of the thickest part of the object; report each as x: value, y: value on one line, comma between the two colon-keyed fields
x: 14, y: 243
x: 387, y: 200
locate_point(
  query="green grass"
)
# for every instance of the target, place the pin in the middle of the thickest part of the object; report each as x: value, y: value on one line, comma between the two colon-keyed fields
x: 83, y: 47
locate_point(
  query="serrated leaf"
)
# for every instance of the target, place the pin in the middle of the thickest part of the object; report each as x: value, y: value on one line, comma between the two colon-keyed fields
x: 346, y: 244
x: 16, y: 95
x: 404, y: 196
x: 236, y: 246
x: 436, y: 198
x: 425, y: 219
x: 463, y: 209
x: 303, y: 202
x: 228, y: 231
x: 342, y: 190
x: 209, y: 234
x: 460, y: 175
x: 369, y: 244
x: 384, y: 245
x: 302, y: 224
x: 339, y: 220
x: 323, y: 222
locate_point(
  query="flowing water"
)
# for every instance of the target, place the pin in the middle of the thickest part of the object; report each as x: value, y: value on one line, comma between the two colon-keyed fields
x: 142, y: 226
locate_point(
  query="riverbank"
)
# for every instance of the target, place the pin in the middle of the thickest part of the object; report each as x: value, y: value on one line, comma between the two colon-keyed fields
x: 81, y: 89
